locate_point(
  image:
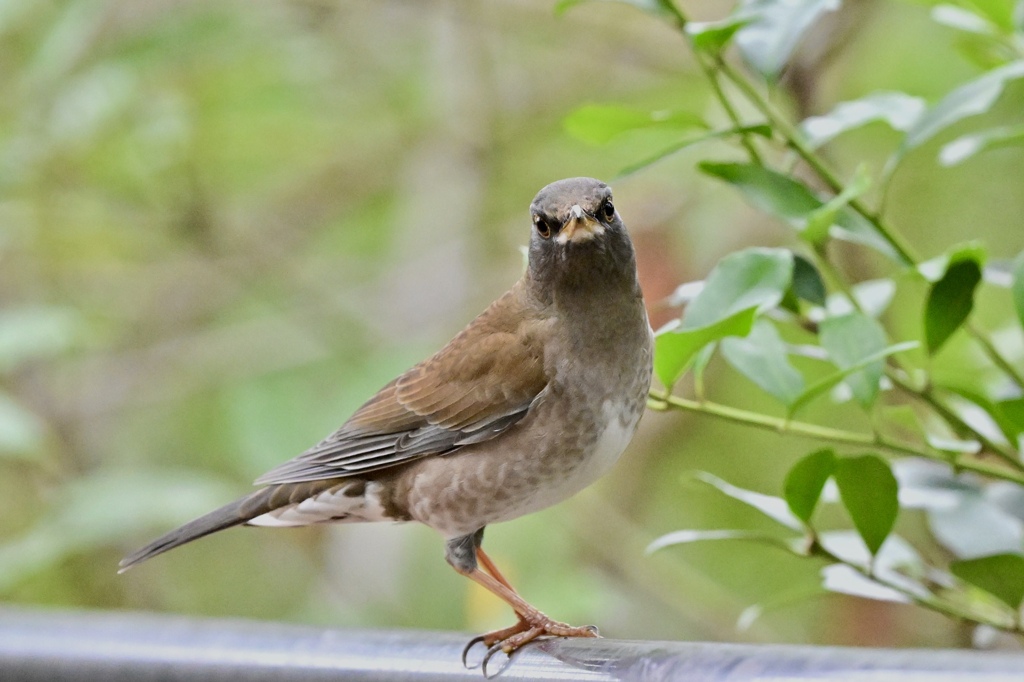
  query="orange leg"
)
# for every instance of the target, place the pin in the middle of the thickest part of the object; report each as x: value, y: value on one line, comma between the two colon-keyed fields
x: 489, y: 566
x: 532, y: 623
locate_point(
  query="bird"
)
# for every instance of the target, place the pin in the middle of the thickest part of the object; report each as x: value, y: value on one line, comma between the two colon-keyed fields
x: 528, y: 405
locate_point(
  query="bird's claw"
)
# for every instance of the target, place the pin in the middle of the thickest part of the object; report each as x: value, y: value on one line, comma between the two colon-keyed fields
x: 495, y: 648
x: 490, y: 640
x: 469, y: 647
x: 511, y: 639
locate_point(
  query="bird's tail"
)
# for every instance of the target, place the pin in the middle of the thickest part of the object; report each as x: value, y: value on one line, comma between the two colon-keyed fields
x: 240, y: 511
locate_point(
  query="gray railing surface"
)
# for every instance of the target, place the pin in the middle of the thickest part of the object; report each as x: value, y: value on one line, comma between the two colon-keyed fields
x: 54, y: 646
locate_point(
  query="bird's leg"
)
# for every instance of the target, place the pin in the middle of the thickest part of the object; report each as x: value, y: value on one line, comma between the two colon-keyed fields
x: 463, y: 554
x: 531, y: 619
x: 485, y: 561
x: 491, y: 638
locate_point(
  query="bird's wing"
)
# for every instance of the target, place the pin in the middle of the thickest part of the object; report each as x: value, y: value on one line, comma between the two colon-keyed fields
x: 473, y: 389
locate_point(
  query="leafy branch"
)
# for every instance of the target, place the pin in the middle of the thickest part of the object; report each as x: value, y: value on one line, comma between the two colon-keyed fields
x: 796, y: 141
x: 755, y: 303
x: 872, y: 563
x: 826, y: 434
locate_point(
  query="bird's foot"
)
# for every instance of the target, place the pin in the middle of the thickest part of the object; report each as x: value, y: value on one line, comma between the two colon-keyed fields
x: 509, y: 639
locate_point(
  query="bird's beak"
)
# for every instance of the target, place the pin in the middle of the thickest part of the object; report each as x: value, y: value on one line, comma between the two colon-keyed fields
x: 579, y: 226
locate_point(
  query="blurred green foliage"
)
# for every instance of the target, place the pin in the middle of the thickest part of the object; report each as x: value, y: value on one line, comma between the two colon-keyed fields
x: 224, y: 225
x: 962, y: 427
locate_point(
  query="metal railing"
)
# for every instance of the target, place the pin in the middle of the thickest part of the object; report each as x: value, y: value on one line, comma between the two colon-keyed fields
x: 57, y: 646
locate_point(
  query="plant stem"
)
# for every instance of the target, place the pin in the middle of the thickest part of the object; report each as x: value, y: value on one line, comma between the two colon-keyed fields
x: 796, y: 141
x: 727, y: 105
x: 926, y: 395
x: 928, y: 601
x: 680, y: 20
x: 827, y: 434
x: 829, y: 270
x: 994, y: 355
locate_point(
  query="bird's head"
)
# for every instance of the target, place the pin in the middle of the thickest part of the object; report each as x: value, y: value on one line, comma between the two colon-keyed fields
x: 578, y: 238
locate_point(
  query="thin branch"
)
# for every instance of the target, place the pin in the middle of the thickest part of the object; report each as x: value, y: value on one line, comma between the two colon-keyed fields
x: 927, y: 395
x: 929, y: 601
x: 727, y: 105
x: 796, y: 141
x: 994, y: 355
x: 827, y: 434
x: 680, y: 20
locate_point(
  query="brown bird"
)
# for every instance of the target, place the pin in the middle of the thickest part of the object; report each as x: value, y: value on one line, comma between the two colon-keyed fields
x: 526, y: 406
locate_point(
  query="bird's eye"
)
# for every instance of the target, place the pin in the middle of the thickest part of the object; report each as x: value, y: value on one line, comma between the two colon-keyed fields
x: 608, y: 210
x: 543, y: 228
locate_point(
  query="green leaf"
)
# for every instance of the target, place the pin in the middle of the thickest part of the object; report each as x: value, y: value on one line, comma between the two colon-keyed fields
x: 967, y: 146
x: 900, y: 110
x: 900, y: 422
x: 655, y: 7
x: 868, y: 490
x: 1007, y: 414
x: 934, y: 269
x: 893, y: 574
x: 819, y: 387
x: 713, y: 36
x: 852, y: 227
x: 1018, y: 286
x: 1001, y: 575
x: 700, y: 363
x: 807, y: 282
x: 741, y: 285
x: 954, y: 446
x: 950, y: 301
x: 684, y: 537
x: 849, y: 340
x: 999, y: 14
x: 600, y: 123
x: 972, y: 98
x: 874, y: 295
x: 963, y: 20
x: 805, y: 481
x: 761, y: 356
x: 675, y: 348
x: 755, y: 277
x: 975, y: 527
x: 794, y: 202
x: 820, y: 220
x: 758, y: 129
x: 843, y: 579
x: 775, y: 30
x: 1011, y: 418
x: 774, y: 508
x: 772, y: 192
x: 896, y: 564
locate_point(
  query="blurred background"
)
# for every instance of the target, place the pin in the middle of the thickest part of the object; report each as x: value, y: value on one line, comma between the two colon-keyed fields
x: 224, y: 225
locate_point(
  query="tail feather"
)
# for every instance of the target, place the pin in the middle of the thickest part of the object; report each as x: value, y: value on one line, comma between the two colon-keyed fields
x: 236, y: 513
x: 227, y: 516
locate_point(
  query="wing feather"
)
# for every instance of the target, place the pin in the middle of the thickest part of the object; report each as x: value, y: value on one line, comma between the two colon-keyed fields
x: 476, y: 387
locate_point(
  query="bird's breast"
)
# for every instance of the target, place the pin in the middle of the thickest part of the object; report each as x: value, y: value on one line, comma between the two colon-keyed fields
x: 573, y: 434
x: 620, y: 422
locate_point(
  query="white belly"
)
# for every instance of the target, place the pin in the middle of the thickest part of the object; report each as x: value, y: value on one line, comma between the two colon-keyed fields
x: 332, y: 505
